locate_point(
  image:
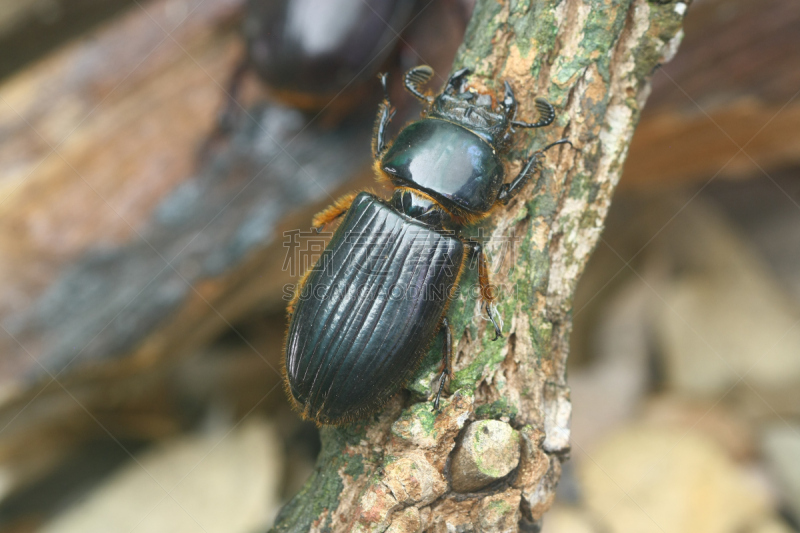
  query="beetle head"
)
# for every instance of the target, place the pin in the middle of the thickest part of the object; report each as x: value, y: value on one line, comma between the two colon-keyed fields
x: 465, y: 106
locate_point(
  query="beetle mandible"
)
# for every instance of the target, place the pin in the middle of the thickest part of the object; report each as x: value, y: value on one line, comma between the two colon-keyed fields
x: 362, y: 319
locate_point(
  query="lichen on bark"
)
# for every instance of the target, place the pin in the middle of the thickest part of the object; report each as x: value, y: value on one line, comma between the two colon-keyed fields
x: 592, y: 59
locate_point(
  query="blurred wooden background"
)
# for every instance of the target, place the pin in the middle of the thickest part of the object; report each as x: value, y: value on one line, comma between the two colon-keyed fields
x: 143, y: 271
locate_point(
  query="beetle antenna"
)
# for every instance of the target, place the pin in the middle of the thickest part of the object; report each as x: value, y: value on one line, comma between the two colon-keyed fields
x: 546, y: 115
x: 417, y: 77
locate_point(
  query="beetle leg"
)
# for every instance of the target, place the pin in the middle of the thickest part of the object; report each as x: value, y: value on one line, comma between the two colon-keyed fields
x: 510, y: 190
x: 333, y: 211
x: 491, y: 311
x: 385, y: 114
x: 487, y: 290
x: 447, y: 354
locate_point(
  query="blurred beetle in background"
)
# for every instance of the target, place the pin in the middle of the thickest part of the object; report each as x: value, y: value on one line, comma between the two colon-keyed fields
x: 309, y: 51
x: 316, y: 54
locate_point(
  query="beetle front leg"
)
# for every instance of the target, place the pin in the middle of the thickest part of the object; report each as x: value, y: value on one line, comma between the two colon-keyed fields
x: 333, y: 211
x: 510, y: 190
x: 447, y: 354
x: 385, y: 114
x: 487, y: 290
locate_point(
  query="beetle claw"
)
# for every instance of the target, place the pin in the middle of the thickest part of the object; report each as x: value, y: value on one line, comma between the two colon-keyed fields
x: 383, y: 76
x: 442, y: 380
x: 498, y: 331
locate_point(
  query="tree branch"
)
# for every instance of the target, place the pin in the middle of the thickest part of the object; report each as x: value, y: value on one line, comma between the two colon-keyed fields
x: 592, y: 60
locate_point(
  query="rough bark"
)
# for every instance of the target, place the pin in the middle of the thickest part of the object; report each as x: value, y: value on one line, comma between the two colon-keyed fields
x: 592, y: 59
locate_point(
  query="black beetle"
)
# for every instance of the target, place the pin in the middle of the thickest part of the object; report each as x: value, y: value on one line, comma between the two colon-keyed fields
x: 307, y: 51
x: 312, y: 54
x: 364, y: 316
